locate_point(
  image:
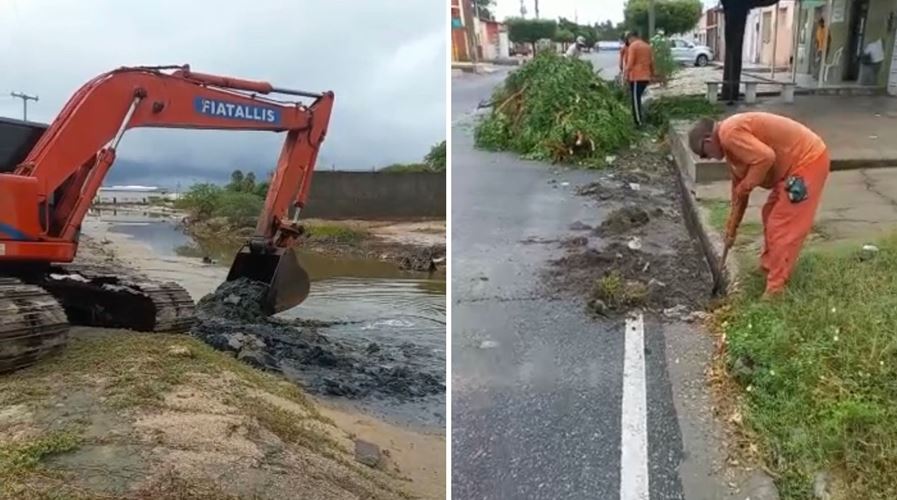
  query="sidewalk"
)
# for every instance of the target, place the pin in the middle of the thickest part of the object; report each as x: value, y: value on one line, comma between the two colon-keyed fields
x: 861, y: 131
x: 858, y: 206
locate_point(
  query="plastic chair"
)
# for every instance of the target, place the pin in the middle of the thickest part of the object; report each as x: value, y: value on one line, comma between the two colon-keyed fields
x: 836, y: 61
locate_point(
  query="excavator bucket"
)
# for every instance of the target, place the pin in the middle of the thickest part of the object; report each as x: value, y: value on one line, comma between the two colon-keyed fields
x: 288, y: 283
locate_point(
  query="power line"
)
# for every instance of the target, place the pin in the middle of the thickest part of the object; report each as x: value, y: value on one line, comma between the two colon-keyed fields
x: 25, y: 98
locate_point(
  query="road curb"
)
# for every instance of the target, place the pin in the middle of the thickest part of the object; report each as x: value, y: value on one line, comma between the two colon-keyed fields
x: 697, y: 218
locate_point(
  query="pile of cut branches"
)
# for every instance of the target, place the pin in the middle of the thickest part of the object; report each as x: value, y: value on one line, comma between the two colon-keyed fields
x: 557, y: 109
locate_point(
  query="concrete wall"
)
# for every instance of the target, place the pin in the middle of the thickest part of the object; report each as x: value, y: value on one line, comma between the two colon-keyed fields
x: 372, y: 195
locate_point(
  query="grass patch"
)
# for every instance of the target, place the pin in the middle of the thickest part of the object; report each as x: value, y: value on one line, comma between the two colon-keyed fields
x: 661, y: 110
x: 20, y: 462
x: 618, y: 293
x: 818, y: 368
x: 27, y: 455
x: 336, y: 233
x: 137, y: 370
x: 290, y: 427
x: 719, y: 214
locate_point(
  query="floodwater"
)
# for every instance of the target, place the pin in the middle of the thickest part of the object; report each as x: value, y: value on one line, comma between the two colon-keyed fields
x: 374, y: 302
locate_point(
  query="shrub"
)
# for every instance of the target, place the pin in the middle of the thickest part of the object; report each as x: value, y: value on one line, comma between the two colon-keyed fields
x: 557, y: 109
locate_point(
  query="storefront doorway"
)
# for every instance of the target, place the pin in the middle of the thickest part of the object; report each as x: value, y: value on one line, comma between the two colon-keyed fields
x: 855, y: 39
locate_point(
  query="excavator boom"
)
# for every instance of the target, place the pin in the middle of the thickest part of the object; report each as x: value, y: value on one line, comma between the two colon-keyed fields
x: 49, y: 175
x: 44, y: 199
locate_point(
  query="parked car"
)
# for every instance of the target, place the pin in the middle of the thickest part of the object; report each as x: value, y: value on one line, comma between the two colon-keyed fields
x: 686, y: 52
x: 608, y: 45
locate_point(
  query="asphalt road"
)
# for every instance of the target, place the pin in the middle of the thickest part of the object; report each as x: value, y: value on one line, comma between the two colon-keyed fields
x: 537, y: 385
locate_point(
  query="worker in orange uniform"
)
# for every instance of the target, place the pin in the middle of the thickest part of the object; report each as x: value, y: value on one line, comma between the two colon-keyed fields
x: 624, y: 44
x: 776, y: 153
x: 822, y: 38
x: 638, y: 71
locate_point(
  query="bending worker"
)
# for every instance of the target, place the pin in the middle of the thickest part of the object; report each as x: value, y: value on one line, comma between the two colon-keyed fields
x: 779, y: 154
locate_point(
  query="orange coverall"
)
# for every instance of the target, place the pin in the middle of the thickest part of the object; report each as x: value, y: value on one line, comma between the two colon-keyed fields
x: 764, y: 149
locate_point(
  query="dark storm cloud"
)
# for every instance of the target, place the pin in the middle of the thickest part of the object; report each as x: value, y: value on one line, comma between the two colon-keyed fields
x: 385, y: 61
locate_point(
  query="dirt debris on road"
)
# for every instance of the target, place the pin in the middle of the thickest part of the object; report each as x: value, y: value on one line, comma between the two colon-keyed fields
x: 641, y: 254
x: 230, y: 319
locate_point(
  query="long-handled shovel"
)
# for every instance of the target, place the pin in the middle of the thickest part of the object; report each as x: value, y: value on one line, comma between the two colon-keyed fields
x: 718, y: 276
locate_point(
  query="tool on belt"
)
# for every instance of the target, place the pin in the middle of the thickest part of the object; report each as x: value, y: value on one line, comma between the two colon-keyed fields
x: 796, y: 189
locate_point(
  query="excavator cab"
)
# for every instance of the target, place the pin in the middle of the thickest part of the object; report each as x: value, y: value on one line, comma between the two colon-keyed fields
x: 288, y: 282
x: 17, y: 139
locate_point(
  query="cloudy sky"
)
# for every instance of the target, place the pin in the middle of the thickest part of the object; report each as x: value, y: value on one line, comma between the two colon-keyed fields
x: 587, y: 11
x: 384, y: 59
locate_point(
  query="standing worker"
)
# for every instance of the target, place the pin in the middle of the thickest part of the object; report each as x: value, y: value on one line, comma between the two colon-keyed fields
x: 576, y: 47
x: 639, y: 71
x: 821, y: 41
x: 624, y: 44
x: 779, y: 154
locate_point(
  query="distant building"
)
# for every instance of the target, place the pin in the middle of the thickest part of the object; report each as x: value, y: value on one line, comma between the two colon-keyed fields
x: 133, y: 195
x: 491, y: 37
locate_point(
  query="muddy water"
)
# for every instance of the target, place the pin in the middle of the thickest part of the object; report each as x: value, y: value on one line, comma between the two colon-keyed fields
x: 374, y: 302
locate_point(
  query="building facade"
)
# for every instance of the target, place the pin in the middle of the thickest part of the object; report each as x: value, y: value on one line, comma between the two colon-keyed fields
x: 768, y: 35
x: 132, y: 195
x: 853, y: 28
x: 460, y: 50
x: 491, y: 37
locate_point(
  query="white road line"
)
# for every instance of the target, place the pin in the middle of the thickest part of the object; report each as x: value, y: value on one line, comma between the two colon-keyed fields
x: 634, y: 421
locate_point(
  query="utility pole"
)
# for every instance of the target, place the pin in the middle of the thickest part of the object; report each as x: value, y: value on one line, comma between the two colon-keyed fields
x: 522, y: 8
x: 25, y: 98
x: 537, y: 9
x: 650, y: 19
x: 471, y: 34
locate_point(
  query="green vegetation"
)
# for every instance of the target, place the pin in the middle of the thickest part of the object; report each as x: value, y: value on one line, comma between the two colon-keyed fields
x: 663, y: 109
x: 558, y: 109
x: 818, y: 367
x: 588, y: 32
x: 564, y: 36
x: 530, y: 31
x: 27, y: 455
x: 670, y: 16
x: 434, y: 161
x: 336, y: 233
x: 664, y: 64
x: 608, y: 32
x: 618, y: 293
x: 239, y: 202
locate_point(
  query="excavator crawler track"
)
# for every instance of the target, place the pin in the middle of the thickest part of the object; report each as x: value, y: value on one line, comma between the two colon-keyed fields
x: 32, y: 324
x: 110, y: 298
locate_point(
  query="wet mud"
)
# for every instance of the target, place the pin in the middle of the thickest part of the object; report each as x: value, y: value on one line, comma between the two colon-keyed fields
x: 640, y: 253
x: 625, y: 219
x: 231, y: 319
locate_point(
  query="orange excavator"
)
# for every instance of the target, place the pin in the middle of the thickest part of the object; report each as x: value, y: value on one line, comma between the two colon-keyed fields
x: 49, y: 176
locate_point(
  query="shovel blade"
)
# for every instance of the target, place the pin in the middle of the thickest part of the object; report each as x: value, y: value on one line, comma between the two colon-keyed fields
x: 288, y: 283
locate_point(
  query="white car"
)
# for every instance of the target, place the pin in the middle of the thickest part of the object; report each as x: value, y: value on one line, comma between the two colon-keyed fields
x: 685, y: 52
x: 609, y: 45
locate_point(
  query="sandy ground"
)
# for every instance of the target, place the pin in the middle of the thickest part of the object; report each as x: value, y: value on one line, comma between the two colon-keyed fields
x: 418, y: 456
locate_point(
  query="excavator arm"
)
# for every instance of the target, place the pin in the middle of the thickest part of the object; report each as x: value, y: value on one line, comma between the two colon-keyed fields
x: 44, y: 200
